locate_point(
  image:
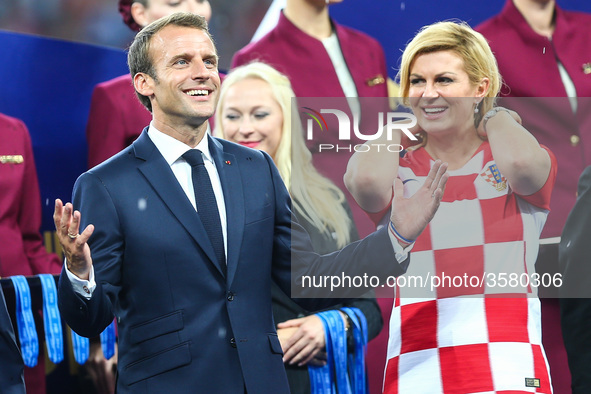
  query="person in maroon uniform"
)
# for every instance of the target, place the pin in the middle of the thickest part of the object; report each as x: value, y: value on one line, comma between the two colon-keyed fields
x: 322, y: 58
x: 22, y: 251
x: 552, y: 45
x: 116, y: 116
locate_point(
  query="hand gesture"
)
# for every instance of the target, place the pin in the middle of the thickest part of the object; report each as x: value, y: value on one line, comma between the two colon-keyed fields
x: 411, y: 215
x: 302, y: 340
x: 74, y: 244
x: 102, y: 372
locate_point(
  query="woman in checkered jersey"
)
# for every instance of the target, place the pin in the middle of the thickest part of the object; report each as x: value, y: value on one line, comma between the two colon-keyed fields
x: 466, y: 318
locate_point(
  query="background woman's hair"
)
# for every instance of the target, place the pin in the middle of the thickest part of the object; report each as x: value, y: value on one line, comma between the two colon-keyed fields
x: 314, y: 196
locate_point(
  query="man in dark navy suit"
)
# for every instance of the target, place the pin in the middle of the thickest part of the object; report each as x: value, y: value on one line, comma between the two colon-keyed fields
x: 11, y: 373
x: 187, y: 231
x: 575, y: 293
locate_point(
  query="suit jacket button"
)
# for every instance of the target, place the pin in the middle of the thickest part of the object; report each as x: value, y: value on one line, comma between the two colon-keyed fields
x: 230, y: 296
x: 233, y: 342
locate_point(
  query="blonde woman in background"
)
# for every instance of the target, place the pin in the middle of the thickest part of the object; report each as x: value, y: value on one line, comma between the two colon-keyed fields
x: 254, y: 110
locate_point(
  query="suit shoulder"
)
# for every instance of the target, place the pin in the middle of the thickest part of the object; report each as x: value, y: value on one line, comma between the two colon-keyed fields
x: 256, y: 51
x: 358, y: 35
x: 577, y: 18
x: 113, y: 95
x: 584, y: 181
x: 489, y: 26
x: 15, y: 125
x: 118, y: 83
x: 15, y: 136
x: 114, y: 164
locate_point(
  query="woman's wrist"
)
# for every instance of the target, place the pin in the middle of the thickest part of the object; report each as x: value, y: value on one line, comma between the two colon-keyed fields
x: 491, y: 114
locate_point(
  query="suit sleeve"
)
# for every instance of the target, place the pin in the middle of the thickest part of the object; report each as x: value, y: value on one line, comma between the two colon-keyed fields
x: 11, y: 373
x: 575, y: 248
x: 294, y: 260
x: 371, y: 310
x: 575, y: 313
x: 90, y: 317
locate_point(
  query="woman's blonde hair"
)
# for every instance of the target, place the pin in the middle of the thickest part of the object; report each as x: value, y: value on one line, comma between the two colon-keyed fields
x: 314, y: 196
x: 469, y: 45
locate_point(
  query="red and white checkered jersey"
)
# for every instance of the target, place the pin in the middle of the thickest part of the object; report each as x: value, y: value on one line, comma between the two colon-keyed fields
x: 466, y: 318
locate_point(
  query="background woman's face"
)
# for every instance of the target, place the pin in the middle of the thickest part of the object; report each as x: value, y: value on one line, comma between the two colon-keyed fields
x: 441, y: 94
x: 157, y: 9
x: 251, y: 116
x: 324, y: 2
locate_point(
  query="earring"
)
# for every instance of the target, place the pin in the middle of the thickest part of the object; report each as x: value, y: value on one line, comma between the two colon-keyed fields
x: 476, y: 108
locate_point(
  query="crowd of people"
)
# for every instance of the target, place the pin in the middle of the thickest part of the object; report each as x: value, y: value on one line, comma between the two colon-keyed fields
x: 206, y: 202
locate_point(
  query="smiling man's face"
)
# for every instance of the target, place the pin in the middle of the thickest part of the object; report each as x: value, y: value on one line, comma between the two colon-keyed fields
x: 186, y: 88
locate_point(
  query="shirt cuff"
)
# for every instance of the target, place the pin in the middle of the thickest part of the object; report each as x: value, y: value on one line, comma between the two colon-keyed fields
x: 81, y: 286
x: 400, y: 252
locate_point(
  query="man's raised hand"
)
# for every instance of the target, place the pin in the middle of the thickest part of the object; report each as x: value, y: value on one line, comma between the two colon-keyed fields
x: 411, y: 215
x: 74, y: 244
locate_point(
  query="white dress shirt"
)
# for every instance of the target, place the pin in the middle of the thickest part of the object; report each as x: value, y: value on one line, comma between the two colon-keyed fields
x: 172, y: 150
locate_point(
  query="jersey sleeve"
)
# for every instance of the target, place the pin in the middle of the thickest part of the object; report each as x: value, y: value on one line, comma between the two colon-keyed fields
x: 541, y: 198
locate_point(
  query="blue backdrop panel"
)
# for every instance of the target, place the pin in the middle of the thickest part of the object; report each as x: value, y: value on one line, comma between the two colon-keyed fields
x: 48, y: 84
x: 394, y: 23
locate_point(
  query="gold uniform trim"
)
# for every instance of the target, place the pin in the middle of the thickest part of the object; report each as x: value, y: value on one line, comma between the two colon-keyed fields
x: 11, y: 159
x: 377, y: 80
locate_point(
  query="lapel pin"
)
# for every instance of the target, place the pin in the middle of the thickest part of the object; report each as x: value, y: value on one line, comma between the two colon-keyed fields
x: 587, y: 68
x: 228, y: 162
x: 377, y: 80
x: 12, y: 159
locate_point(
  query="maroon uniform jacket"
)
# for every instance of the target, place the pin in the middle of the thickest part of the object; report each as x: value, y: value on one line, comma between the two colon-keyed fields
x: 527, y: 62
x: 307, y: 64
x: 22, y: 251
x: 21, y: 247
x: 116, y: 119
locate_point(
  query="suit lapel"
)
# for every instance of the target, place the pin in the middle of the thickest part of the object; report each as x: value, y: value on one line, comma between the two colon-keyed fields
x: 158, y: 173
x: 229, y: 173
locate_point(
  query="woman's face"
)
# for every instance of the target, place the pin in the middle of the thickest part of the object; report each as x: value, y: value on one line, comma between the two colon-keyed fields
x: 251, y: 116
x: 441, y: 94
x: 157, y: 9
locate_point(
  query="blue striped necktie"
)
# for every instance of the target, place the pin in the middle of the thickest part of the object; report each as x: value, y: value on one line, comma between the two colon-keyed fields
x: 207, y: 207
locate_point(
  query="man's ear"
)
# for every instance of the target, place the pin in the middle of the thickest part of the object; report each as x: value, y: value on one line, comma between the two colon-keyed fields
x: 143, y: 84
